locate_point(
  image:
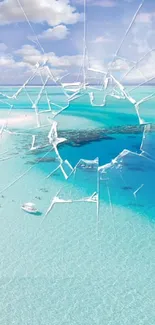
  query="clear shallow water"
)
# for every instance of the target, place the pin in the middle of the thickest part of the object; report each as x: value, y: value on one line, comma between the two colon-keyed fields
x: 71, y: 268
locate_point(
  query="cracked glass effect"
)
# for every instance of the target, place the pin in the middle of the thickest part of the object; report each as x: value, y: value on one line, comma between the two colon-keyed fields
x: 79, y: 144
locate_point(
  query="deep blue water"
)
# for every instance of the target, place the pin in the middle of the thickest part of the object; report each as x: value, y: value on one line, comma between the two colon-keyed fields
x: 106, y: 150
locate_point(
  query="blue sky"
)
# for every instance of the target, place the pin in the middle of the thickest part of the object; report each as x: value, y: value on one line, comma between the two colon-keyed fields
x: 58, y: 38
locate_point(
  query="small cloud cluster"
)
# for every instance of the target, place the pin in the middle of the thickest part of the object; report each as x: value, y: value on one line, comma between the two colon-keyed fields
x: 3, y: 47
x: 120, y: 65
x: 56, y: 33
x: 102, y: 39
x: 30, y: 55
x: 145, y: 17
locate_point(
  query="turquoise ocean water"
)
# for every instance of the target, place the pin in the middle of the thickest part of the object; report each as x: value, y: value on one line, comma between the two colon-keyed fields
x: 72, y: 267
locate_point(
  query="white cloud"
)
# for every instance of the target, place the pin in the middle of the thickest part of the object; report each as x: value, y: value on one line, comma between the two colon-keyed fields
x: 142, y: 32
x: 141, y: 45
x: 3, y: 47
x: 13, y: 72
x: 28, y: 50
x: 17, y: 72
x: 31, y: 56
x: 62, y: 64
x: 54, y: 12
x: 140, y: 73
x: 102, y: 39
x: 120, y: 65
x: 6, y: 62
x: 145, y: 17
x: 146, y: 67
x: 9, y: 62
x: 56, y: 33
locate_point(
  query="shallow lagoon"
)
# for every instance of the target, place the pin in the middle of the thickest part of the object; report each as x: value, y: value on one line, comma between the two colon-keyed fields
x: 70, y: 267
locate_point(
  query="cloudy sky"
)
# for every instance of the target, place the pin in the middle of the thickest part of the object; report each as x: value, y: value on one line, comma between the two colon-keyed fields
x: 33, y: 31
